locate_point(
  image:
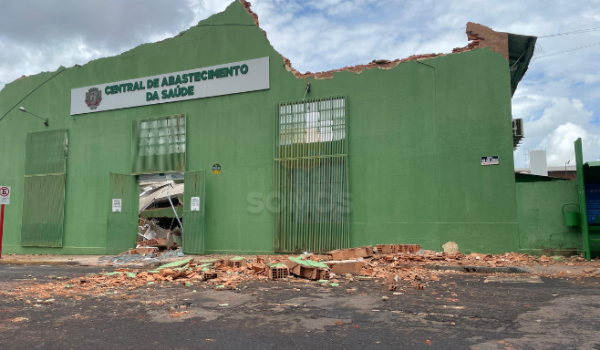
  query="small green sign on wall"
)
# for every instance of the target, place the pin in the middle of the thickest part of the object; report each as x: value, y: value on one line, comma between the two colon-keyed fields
x: 216, y: 168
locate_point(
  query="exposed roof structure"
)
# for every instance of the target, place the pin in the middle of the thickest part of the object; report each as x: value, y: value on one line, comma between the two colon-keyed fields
x: 520, y: 52
x: 160, y: 194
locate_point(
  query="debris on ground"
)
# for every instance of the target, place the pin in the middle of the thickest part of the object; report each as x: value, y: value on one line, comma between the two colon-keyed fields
x: 396, y: 267
x: 342, y: 267
x: 351, y: 253
x: 398, y: 248
x: 307, y: 268
x: 161, y: 233
x: 133, y: 257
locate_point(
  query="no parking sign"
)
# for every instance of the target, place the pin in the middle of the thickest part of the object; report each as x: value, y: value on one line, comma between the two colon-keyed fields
x: 4, y: 195
x: 4, y: 199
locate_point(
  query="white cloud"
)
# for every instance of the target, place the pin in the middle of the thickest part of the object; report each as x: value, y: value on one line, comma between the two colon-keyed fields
x: 203, y: 9
x: 560, y: 147
x: 562, y: 110
x: 561, y: 123
x: 340, y: 7
x: 557, y: 98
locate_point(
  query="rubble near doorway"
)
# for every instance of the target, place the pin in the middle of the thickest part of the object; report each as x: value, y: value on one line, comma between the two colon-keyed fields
x: 160, y: 226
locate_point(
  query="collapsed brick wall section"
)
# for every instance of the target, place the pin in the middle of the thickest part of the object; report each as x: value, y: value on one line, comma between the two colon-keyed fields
x: 254, y: 16
x: 479, y: 35
x: 482, y: 36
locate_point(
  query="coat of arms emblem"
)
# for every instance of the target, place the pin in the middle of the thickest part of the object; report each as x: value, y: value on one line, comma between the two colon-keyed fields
x: 93, y: 98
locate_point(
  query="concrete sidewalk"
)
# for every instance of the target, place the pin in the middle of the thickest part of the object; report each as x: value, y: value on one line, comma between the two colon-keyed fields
x: 61, y: 260
x: 78, y: 260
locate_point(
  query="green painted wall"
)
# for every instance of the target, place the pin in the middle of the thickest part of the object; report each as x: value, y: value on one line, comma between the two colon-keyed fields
x: 415, y: 132
x: 542, y: 228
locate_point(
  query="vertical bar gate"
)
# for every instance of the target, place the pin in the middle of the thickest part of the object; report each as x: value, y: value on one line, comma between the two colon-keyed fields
x: 311, y: 175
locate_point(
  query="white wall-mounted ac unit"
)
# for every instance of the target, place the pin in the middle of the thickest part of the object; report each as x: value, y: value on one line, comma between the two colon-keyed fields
x: 518, y: 127
x: 518, y: 135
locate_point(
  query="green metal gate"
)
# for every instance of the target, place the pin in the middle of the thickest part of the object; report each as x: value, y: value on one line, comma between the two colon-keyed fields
x: 194, y: 209
x: 44, y: 190
x: 44, y: 211
x: 311, y: 175
x: 122, y: 221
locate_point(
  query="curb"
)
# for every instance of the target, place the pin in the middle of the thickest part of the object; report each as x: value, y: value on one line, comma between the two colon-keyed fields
x: 38, y: 263
x: 478, y: 269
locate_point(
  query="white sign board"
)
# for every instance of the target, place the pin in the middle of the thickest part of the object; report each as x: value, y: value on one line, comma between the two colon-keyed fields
x: 493, y: 160
x: 4, y: 195
x: 116, y: 205
x: 195, y: 205
x: 223, y: 79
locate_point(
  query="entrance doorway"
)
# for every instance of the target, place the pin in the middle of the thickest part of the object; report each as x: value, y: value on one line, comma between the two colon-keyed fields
x: 140, y: 210
x: 160, y: 211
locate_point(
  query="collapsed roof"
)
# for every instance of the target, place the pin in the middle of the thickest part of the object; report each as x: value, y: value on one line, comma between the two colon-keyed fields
x: 160, y: 194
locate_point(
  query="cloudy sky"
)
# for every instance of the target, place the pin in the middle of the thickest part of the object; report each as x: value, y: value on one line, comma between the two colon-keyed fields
x: 558, y: 98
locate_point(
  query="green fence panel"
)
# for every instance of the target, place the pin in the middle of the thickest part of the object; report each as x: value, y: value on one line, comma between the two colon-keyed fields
x: 122, y: 225
x: 158, y: 145
x: 311, y: 175
x: 43, y: 211
x: 46, y: 152
x: 193, y: 223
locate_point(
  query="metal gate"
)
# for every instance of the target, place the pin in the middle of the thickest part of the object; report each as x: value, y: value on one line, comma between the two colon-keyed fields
x: 194, y: 209
x: 122, y: 221
x: 311, y: 175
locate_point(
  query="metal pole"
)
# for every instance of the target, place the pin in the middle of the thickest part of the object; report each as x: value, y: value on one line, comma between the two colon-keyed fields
x: 174, y: 211
x: 585, y: 233
x: 1, y: 228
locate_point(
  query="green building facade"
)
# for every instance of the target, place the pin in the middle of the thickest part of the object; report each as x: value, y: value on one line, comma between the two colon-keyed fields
x: 386, y: 153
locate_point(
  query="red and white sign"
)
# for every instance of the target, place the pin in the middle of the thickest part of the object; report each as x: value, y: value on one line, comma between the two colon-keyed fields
x: 4, y: 195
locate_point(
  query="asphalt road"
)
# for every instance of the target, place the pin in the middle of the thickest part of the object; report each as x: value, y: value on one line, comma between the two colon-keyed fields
x: 458, y: 312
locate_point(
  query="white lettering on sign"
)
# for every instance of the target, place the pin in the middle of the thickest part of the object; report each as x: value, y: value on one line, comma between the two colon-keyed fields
x: 116, y: 205
x: 195, y: 205
x: 4, y: 195
x: 224, y: 79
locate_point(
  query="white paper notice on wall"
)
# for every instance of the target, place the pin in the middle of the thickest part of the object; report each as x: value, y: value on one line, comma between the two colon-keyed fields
x: 195, y: 205
x: 116, y: 205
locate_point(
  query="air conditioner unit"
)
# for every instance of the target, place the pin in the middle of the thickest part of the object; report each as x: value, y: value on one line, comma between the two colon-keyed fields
x: 518, y: 127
